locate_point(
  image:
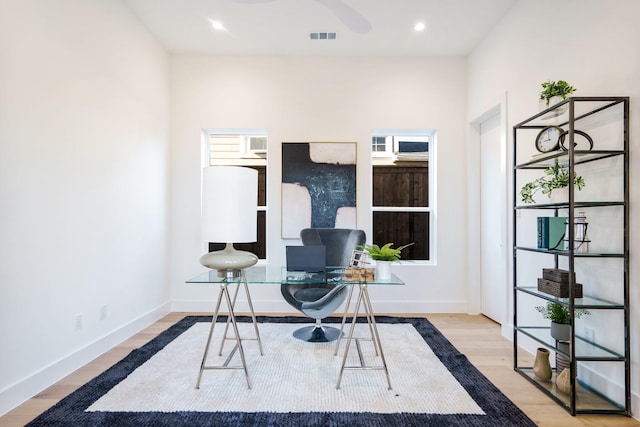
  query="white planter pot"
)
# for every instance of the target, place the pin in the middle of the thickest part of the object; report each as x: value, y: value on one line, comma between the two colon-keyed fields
x: 542, y: 105
x: 559, y: 195
x: 383, y: 270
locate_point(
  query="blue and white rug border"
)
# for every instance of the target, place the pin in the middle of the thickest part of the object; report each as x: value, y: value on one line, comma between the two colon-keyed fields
x: 499, y: 410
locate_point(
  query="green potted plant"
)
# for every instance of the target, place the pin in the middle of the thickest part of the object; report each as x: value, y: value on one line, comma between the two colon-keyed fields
x: 551, y: 89
x: 555, y: 177
x: 384, y: 253
x: 384, y: 256
x: 560, y: 317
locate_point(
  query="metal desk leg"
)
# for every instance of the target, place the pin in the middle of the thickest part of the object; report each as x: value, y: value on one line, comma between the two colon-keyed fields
x: 353, y: 327
x: 213, y: 324
x: 253, y: 313
x: 253, y: 317
x: 224, y: 291
x: 363, y: 297
x: 238, y: 340
x: 226, y: 326
x: 369, y: 309
x: 344, y: 319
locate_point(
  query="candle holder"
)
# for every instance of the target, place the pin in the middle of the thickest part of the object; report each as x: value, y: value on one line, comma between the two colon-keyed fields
x: 580, y: 237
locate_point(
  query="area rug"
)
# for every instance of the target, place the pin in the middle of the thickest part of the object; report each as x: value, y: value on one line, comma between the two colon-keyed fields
x: 293, y: 383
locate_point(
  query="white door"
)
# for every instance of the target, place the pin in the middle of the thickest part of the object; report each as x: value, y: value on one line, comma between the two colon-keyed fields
x: 493, y: 290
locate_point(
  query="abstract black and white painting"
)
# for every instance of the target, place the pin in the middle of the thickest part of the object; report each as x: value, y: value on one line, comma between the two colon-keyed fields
x: 318, y: 186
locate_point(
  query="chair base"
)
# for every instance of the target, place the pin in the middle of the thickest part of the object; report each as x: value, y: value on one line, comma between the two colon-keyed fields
x: 317, y: 333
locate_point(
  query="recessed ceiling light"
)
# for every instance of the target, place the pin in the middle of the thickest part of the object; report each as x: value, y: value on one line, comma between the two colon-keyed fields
x: 419, y: 26
x: 217, y: 25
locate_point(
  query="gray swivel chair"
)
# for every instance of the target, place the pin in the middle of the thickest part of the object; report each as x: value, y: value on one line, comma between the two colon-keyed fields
x: 319, y: 300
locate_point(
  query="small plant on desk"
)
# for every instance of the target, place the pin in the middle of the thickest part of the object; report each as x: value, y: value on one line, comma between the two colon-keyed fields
x: 384, y: 253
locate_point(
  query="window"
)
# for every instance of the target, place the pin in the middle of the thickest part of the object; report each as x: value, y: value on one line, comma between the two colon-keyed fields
x: 242, y: 147
x: 380, y: 146
x: 401, y: 181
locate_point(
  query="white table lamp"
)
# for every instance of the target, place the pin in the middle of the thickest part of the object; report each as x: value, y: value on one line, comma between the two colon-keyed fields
x: 229, y: 215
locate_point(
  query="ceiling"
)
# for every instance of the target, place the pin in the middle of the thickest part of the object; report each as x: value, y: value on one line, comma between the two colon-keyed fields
x: 283, y: 27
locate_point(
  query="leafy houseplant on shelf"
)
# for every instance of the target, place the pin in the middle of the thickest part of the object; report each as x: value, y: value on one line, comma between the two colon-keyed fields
x: 550, y: 89
x: 556, y: 177
x: 384, y: 256
x: 560, y: 319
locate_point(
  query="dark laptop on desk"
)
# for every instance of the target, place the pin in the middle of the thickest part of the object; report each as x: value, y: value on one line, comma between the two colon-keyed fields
x: 310, y: 258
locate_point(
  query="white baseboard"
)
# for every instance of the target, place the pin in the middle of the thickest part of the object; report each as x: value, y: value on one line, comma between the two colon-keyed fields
x: 506, y: 330
x: 25, y: 389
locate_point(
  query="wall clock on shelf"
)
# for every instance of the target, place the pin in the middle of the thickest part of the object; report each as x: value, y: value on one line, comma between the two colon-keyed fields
x: 548, y: 139
x: 552, y: 138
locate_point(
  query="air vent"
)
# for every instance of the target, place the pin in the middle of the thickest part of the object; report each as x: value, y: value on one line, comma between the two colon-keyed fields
x: 322, y: 36
x: 258, y: 144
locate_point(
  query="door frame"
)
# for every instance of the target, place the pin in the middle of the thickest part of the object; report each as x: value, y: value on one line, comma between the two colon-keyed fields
x: 474, y: 267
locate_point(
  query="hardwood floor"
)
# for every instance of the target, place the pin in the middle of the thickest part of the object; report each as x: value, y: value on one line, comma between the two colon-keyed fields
x: 480, y: 340
x: 476, y: 336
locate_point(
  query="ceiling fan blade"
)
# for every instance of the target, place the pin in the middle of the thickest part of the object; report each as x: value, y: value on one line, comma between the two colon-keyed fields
x: 349, y: 16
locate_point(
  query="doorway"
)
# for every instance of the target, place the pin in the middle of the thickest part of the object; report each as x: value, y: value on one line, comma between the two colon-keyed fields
x: 493, y: 290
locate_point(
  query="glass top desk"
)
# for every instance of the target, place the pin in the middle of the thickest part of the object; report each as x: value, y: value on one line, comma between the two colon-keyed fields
x: 276, y: 275
x: 272, y: 275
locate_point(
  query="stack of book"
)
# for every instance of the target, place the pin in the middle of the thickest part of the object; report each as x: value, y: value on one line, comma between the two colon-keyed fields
x: 359, y: 274
x: 551, y: 231
x: 555, y: 282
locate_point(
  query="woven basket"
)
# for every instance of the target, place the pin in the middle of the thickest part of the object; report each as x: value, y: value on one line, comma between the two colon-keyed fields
x: 557, y: 289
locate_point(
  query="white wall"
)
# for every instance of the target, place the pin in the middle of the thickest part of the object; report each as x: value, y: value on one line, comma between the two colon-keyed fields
x: 592, y: 45
x: 84, y: 158
x: 321, y: 99
x: 84, y: 116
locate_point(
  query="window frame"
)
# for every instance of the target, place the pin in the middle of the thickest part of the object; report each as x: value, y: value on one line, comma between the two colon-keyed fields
x: 388, y: 147
x: 394, y: 135
x: 243, y: 155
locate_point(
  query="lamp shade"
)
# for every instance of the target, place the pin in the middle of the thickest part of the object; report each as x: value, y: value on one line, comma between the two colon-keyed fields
x: 229, y: 204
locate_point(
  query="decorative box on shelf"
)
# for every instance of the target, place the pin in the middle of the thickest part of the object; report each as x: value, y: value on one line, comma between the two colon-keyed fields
x: 359, y: 274
x: 557, y: 275
x: 557, y: 289
x: 555, y: 282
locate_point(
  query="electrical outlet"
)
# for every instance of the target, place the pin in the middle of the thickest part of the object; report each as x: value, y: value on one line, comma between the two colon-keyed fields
x: 103, y: 312
x: 590, y: 334
x: 78, y: 322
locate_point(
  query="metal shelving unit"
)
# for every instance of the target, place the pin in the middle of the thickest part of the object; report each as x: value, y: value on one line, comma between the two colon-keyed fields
x: 610, y: 116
